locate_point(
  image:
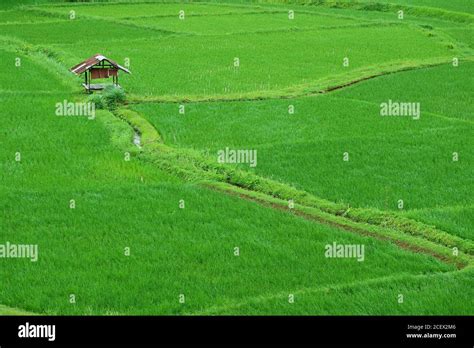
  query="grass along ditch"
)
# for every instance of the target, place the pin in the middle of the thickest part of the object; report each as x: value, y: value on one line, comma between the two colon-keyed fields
x: 190, y: 165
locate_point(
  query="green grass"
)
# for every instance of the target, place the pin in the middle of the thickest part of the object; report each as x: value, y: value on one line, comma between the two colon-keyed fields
x: 306, y: 149
x: 419, y: 294
x: 27, y: 77
x: 9, y: 4
x: 4, y: 310
x: 173, y: 250
x: 244, y: 23
x: 444, y: 91
x: 21, y: 16
x: 393, y: 7
x: 457, y: 220
x: 465, y: 35
x: 268, y: 62
x: 118, y: 10
x: 457, y: 5
x: 417, y: 16
x: 82, y: 32
x: 189, y: 251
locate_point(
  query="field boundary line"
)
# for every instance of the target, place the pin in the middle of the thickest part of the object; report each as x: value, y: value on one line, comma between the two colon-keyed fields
x: 269, y: 145
x: 363, y: 5
x: 149, y: 2
x: 53, y: 14
x: 265, y: 10
x: 323, y: 86
x: 283, y: 30
x: 221, y: 309
x: 384, y: 233
x: 13, y: 311
x: 41, y: 56
x: 224, y: 14
x: 129, y: 21
x: 37, y: 22
x: 283, y: 295
x: 36, y: 92
x: 116, y: 21
x: 444, y: 117
x: 449, y: 207
x: 192, y: 166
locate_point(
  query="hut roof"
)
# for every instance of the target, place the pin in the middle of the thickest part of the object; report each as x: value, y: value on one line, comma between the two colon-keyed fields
x: 94, y: 60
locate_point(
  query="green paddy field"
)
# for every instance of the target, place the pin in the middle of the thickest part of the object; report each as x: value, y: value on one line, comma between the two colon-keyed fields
x: 161, y: 227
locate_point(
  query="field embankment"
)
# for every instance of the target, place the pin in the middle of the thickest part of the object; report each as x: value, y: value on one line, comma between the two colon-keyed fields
x: 130, y: 230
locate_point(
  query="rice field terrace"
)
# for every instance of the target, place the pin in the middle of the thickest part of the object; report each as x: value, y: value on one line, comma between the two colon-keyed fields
x: 262, y: 158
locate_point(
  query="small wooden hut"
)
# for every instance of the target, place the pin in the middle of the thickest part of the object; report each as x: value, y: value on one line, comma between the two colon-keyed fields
x: 98, y: 67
